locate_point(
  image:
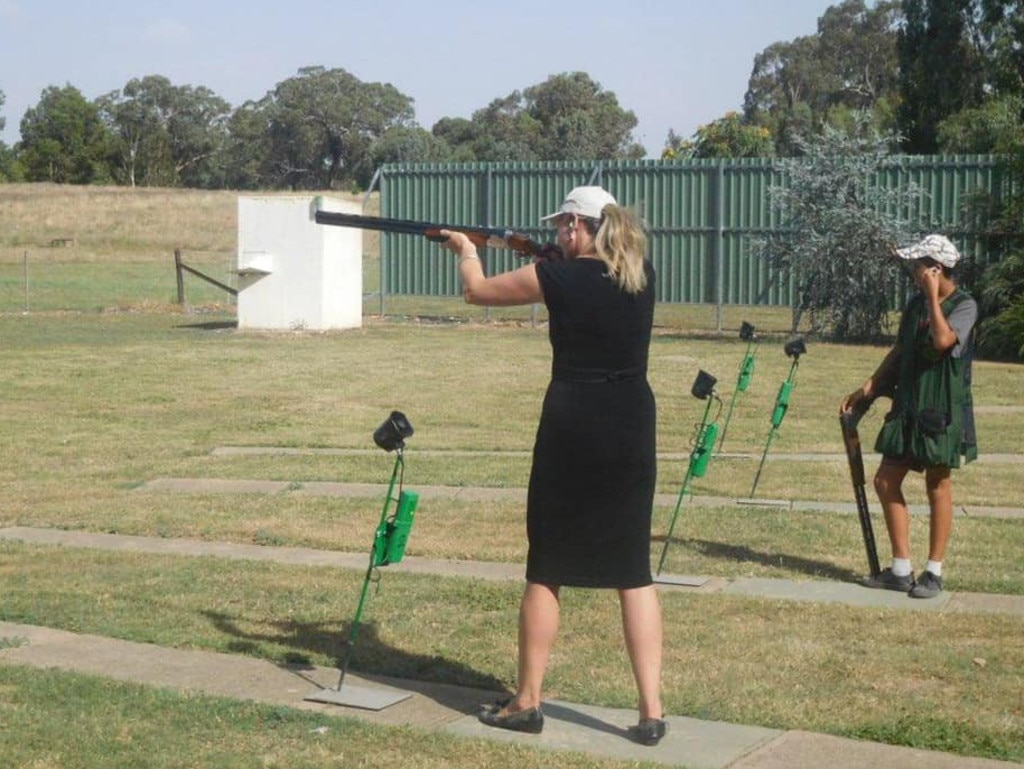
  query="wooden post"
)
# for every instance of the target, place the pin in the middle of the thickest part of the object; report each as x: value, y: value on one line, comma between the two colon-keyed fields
x: 180, y: 276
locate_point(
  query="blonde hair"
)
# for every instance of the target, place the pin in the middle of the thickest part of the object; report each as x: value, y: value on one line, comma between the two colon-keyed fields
x: 621, y: 244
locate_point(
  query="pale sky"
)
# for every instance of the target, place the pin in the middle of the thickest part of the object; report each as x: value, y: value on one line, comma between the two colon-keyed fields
x: 675, y: 63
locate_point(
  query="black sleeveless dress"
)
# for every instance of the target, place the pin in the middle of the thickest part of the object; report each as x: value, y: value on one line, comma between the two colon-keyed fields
x: 594, y: 464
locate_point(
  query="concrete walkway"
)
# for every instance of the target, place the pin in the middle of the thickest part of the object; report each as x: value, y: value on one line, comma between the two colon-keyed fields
x: 569, y: 726
x: 781, y: 589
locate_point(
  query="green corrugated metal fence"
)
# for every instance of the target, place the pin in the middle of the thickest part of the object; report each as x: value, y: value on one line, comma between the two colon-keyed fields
x: 701, y: 216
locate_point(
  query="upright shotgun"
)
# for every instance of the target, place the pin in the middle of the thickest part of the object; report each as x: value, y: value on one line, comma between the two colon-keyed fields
x: 494, y: 237
x: 855, y: 457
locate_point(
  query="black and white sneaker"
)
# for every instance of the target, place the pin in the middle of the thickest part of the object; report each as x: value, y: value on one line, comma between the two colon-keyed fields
x: 886, y: 580
x: 928, y: 586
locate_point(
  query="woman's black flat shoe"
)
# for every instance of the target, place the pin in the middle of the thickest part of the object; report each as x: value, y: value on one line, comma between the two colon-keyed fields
x: 649, y: 731
x: 530, y: 721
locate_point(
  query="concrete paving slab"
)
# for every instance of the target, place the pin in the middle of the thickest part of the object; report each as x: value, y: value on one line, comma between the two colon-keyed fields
x: 296, y: 556
x: 782, y: 589
x: 568, y: 726
x: 833, y: 592
x: 804, y: 750
x: 602, y: 732
x: 682, y: 580
x: 325, y: 488
x: 574, y: 727
x: 230, y: 675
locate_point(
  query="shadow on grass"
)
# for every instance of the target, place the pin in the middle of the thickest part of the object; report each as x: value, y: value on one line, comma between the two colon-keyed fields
x: 744, y: 554
x: 371, y: 658
x: 212, y: 325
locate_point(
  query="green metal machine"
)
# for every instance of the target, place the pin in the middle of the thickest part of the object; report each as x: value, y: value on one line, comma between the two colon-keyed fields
x: 793, y: 349
x: 389, y: 542
x: 700, y: 456
x: 746, y: 374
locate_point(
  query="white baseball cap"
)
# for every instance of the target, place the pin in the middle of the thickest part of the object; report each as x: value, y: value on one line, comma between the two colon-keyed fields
x: 937, y: 247
x: 584, y: 201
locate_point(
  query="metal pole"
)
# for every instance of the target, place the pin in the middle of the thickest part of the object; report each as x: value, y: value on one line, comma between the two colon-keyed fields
x: 781, y: 406
x: 488, y: 213
x: 26, y: 280
x: 382, y: 271
x: 350, y: 644
x: 740, y: 387
x: 720, y: 245
x: 686, y: 483
x: 373, y: 184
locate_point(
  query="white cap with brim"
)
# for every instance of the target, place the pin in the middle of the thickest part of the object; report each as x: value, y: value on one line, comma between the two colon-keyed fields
x: 937, y: 247
x: 584, y: 201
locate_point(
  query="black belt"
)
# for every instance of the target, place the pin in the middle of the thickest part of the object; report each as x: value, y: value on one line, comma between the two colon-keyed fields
x: 593, y: 375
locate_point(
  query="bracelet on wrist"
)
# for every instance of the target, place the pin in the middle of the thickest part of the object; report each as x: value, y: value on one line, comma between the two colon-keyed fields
x: 467, y: 257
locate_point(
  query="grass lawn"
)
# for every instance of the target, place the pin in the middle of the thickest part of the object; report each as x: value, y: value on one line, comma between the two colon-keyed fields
x: 98, y: 401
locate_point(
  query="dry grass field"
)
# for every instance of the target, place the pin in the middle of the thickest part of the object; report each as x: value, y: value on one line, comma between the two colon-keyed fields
x: 113, y: 223
x: 65, y: 247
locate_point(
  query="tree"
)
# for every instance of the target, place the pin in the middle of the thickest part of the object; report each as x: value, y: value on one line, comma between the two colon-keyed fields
x: 461, y: 137
x: 1001, y: 331
x: 246, y: 157
x: 1001, y: 122
x: 6, y: 157
x: 167, y: 135
x: 10, y: 169
x: 941, y: 69
x: 782, y: 90
x: 567, y: 117
x: 1001, y: 27
x: 996, y: 127
x: 729, y: 137
x: 834, y: 77
x: 999, y: 217
x: 504, y: 130
x: 408, y: 144
x: 63, y: 139
x: 579, y: 120
x: 857, y: 48
x: 838, y: 227
x: 321, y: 126
x: 676, y: 147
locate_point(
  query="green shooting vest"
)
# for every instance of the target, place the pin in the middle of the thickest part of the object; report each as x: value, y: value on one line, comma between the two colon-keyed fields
x: 932, y: 416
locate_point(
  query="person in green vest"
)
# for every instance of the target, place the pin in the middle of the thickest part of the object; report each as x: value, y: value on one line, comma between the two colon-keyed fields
x: 930, y: 428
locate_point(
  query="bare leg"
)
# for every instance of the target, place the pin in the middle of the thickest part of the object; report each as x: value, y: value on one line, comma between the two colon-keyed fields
x: 538, y: 627
x: 641, y: 627
x: 940, y: 501
x: 889, y: 486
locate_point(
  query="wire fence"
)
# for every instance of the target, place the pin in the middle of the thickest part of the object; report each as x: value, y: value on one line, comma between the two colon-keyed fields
x: 41, y: 282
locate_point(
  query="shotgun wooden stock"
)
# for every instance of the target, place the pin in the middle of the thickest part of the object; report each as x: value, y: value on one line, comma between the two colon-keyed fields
x: 495, y: 237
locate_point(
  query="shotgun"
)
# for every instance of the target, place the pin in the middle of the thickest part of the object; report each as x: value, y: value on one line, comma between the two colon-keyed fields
x: 851, y: 440
x: 495, y: 237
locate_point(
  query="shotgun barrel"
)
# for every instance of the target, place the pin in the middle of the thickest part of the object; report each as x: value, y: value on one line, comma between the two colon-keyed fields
x: 494, y: 237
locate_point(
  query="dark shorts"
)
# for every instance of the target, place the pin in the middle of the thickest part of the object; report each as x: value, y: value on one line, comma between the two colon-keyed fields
x: 912, y: 463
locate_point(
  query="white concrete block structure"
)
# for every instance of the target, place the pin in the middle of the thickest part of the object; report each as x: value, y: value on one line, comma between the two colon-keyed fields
x: 293, y: 273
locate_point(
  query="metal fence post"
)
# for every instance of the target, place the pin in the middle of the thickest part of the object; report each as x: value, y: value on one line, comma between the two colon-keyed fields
x: 719, y: 214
